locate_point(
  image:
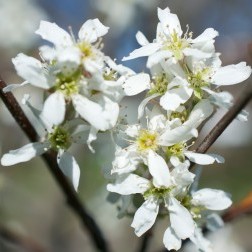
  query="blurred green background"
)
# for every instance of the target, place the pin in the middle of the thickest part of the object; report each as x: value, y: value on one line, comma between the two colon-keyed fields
x: 31, y: 204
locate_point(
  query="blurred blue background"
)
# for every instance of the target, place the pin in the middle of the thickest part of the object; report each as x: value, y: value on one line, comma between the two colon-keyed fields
x: 30, y: 202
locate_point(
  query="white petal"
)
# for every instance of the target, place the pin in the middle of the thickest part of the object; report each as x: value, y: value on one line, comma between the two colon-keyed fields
x: 181, y: 219
x: 31, y: 70
x: 136, y: 84
x: 24, y: 153
x: 171, y: 240
x: 102, y: 115
x: 144, y: 103
x: 182, y: 176
x: 68, y: 60
x: 176, y: 135
x: 159, y: 170
x: 200, y: 112
x: 232, y: 74
x: 141, y: 39
x: 54, y: 34
x: 129, y: 184
x: 54, y: 109
x: 208, y: 34
x: 92, y: 137
x: 170, y: 22
x: 132, y: 130
x: 11, y: 87
x: 158, y: 57
x: 200, y: 241
x: 91, y: 30
x: 172, y: 99
x: 196, y: 53
x: 70, y: 168
x: 146, y: 50
x: 145, y: 216
x: 203, y: 159
x: 211, y: 199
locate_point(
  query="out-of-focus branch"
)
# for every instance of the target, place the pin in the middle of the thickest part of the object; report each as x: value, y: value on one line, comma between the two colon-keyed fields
x: 50, y: 159
x: 20, y: 241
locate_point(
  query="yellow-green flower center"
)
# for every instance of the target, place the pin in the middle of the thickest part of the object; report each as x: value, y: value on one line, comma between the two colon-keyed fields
x: 160, y: 192
x: 159, y: 85
x: 147, y: 140
x: 176, y: 150
x: 86, y: 49
x: 180, y: 115
x: 176, y: 45
x: 197, y: 82
x: 68, y: 85
x: 59, y: 138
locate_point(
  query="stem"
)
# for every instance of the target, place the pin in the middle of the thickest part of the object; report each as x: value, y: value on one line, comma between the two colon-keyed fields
x: 217, y: 130
x: 50, y: 159
x: 24, y: 243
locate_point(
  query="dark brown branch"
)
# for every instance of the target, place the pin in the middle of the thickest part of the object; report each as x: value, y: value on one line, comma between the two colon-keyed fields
x: 50, y: 159
x: 239, y: 104
x: 23, y: 242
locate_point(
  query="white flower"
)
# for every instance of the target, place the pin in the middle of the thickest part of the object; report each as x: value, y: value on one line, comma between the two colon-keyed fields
x: 164, y: 187
x: 169, y: 42
x: 74, y: 52
x: 59, y: 138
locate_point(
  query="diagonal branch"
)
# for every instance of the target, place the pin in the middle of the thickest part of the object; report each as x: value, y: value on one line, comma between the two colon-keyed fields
x: 50, y: 159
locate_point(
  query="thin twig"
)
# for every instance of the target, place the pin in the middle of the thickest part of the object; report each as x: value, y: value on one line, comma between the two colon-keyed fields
x: 22, y: 242
x: 50, y: 159
x: 217, y: 130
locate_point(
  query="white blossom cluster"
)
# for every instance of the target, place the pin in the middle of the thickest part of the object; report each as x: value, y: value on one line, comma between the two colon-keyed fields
x: 83, y: 88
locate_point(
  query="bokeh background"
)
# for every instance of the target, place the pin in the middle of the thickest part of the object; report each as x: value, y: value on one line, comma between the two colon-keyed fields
x: 32, y: 205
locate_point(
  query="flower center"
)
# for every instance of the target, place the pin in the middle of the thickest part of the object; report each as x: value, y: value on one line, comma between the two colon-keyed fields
x: 86, y: 49
x: 180, y: 115
x: 160, y: 192
x: 59, y: 138
x: 176, y: 150
x: 176, y: 45
x: 147, y: 140
x: 159, y: 85
x: 68, y: 85
x: 197, y: 81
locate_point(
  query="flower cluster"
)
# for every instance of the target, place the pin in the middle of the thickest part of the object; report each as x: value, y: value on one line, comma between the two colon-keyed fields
x: 83, y: 88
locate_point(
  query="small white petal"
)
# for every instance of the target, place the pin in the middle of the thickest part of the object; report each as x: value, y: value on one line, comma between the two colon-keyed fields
x: 231, y: 74
x: 203, y: 159
x: 24, y: 153
x: 146, y: 50
x: 92, y: 137
x: 136, y: 84
x: 54, y: 34
x: 182, y: 176
x: 211, y: 199
x: 200, y: 112
x: 145, y: 216
x: 181, y: 219
x: 176, y: 135
x: 171, y: 240
x: 200, y: 241
x: 196, y: 53
x: 144, y: 103
x: 11, y: 87
x: 170, y: 22
x: 70, y: 168
x: 102, y: 115
x: 129, y: 184
x: 208, y: 34
x: 141, y: 39
x: 132, y: 130
x: 159, y: 170
x: 31, y: 70
x: 54, y: 109
x: 157, y: 58
x: 172, y: 99
x: 91, y: 30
